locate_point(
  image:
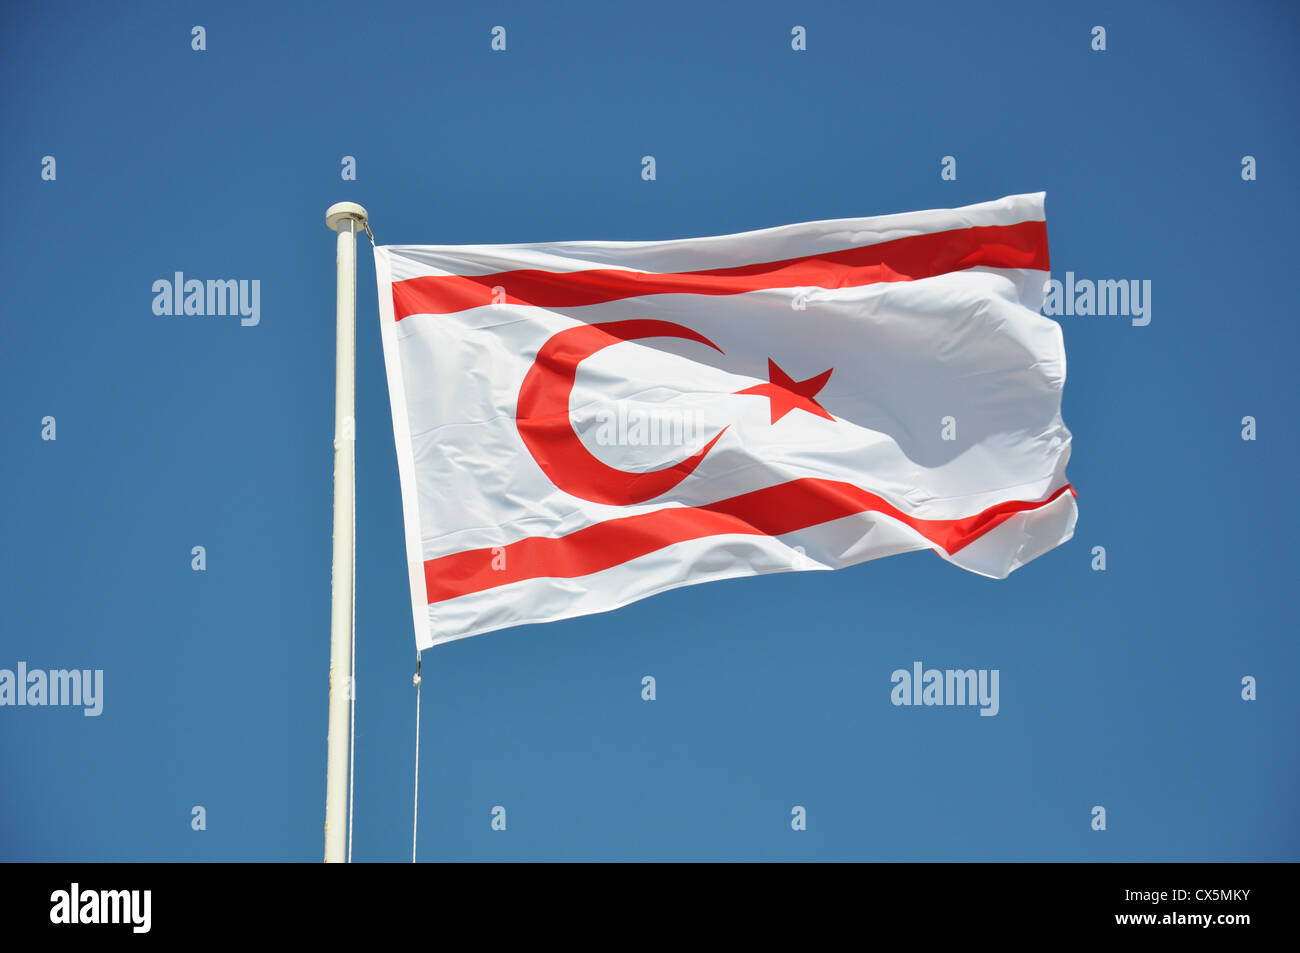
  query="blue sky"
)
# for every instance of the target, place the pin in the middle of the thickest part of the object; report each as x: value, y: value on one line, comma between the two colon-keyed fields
x: 1119, y: 688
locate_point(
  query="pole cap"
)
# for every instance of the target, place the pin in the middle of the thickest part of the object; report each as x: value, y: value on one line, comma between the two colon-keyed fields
x: 340, y: 213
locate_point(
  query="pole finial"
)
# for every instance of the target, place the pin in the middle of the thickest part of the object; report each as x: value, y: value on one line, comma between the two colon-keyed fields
x: 340, y: 213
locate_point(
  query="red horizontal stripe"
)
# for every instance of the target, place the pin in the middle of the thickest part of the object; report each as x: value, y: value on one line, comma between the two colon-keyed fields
x: 773, y: 511
x: 1023, y: 245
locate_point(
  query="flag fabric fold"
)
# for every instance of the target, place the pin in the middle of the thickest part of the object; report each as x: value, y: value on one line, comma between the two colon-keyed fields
x: 583, y: 424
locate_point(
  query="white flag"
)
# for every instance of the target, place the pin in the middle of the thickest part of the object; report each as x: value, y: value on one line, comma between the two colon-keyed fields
x: 583, y: 424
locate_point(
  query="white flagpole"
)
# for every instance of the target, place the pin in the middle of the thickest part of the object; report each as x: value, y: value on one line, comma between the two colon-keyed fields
x: 346, y: 218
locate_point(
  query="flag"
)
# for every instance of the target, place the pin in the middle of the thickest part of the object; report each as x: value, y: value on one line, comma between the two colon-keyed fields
x: 583, y: 424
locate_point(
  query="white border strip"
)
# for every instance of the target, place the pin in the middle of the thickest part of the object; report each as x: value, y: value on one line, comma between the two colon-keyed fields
x: 714, y: 251
x: 405, y: 455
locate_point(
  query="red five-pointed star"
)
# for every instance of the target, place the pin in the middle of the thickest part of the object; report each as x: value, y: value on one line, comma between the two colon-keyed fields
x: 788, y: 394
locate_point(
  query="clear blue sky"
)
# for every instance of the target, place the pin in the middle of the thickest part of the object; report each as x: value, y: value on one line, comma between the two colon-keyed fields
x: 1119, y: 689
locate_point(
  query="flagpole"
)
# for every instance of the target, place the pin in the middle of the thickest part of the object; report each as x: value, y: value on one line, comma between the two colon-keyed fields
x: 346, y: 218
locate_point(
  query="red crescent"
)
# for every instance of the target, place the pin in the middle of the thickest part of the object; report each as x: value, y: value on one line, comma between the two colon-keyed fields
x: 542, y: 416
